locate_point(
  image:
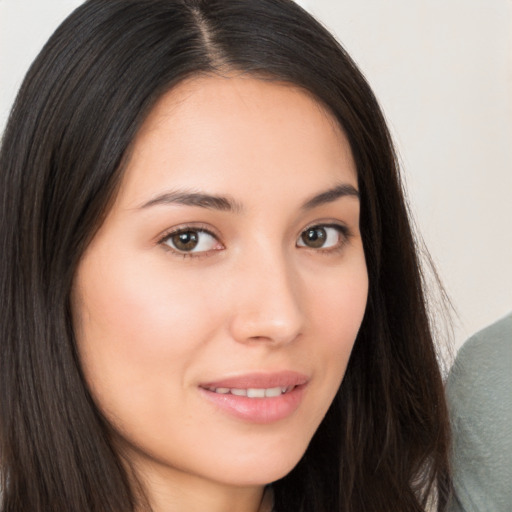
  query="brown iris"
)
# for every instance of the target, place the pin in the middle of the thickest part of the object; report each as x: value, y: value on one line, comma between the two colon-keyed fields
x: 185, y: 240
x: 314, y: 237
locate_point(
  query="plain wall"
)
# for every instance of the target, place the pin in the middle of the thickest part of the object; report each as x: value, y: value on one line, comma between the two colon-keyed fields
x: 442, y: 71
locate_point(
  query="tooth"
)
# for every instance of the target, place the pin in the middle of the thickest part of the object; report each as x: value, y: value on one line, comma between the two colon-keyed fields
x: 273, y: 392
x: 255, y: 393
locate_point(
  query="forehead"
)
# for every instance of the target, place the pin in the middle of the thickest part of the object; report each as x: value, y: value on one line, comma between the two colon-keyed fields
x: 224, y: 132
x: 234, y: 95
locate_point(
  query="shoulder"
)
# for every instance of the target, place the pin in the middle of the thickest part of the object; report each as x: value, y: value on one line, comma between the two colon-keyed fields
x: 484, y: 359
x: 479, y: 392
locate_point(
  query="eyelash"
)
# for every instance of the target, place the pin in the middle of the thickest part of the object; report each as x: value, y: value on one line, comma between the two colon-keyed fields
x: 344, y: 234
x: 183, y: 230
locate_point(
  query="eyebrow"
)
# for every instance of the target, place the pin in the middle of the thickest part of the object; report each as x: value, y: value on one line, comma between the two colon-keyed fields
x: 212, y: 202
x: 331, y: 195
x: 227, y: 204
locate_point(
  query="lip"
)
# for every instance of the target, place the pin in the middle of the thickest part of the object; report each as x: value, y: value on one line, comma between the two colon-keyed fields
x: 262, y: 410
x: 260, y: 380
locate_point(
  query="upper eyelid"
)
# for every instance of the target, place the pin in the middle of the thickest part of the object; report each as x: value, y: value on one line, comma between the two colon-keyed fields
x: 208, y: 229
x: 202, y: 228
x: 329, y: 224
x: 325, y: 223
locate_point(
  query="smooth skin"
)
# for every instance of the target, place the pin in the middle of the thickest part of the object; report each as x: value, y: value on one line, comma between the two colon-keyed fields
x: 222, y: 257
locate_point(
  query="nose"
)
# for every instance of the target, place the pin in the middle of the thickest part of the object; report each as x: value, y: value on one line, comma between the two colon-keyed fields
x: 267, y: 300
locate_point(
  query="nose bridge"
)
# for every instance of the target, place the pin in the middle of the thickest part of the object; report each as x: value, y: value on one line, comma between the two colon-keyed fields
x: 267, y: 303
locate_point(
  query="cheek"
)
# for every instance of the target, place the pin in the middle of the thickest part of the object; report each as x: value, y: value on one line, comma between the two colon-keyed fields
x: 135, y: 304
x: 137, y: 333
x: 339, y: 301
x: 337, y: 310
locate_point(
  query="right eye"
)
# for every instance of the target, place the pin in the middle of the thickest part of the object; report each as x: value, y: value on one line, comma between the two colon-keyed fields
x: 191, y: 241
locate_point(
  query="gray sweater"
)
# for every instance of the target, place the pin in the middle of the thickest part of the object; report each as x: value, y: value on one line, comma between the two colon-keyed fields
x: 479, y: 391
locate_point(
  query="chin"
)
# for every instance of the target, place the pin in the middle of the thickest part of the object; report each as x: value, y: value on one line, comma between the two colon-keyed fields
x: 259, y: 469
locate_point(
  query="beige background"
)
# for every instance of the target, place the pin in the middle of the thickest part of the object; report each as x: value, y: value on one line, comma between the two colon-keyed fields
x: 442, y: 70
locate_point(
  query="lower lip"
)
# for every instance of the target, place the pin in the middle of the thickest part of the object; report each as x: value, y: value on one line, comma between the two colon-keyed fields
x: 258, y: 410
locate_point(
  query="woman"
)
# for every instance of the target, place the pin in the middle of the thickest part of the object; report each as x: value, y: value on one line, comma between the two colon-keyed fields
x: 211, y: 296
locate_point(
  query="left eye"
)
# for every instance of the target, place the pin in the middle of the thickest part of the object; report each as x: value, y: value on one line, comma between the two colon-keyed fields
x: 320, y: 237
x: 191, y: 240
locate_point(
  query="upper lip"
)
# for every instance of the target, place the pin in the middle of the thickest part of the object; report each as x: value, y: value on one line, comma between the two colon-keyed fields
x: 259, y: 381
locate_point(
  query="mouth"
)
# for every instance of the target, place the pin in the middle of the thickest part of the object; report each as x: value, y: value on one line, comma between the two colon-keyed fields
x: 253, y: 392
x: 257, y: 398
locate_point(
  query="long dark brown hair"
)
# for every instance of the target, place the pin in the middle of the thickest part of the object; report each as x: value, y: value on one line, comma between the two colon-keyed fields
x: 383, y: 444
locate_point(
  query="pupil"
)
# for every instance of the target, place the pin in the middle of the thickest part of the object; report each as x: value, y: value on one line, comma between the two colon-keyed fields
x: 185, y: 241
x: 314, y: 237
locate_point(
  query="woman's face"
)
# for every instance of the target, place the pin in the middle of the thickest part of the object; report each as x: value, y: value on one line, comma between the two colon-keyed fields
x: 216, y: 308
